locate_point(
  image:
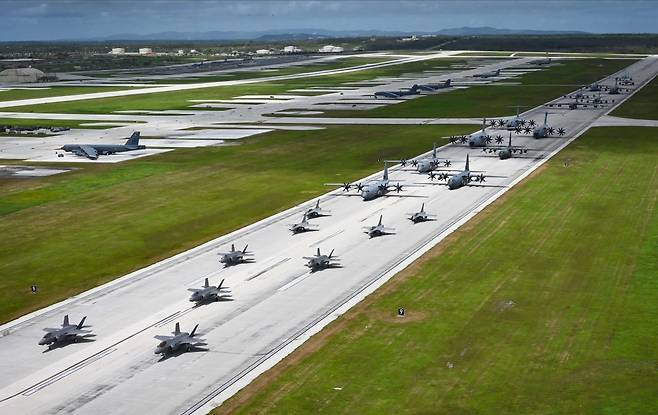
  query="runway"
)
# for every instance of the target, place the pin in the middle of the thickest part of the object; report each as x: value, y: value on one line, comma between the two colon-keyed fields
x: 277, y: 302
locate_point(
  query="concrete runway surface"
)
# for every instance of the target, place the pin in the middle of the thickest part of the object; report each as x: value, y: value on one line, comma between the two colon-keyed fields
x: 277, y: 303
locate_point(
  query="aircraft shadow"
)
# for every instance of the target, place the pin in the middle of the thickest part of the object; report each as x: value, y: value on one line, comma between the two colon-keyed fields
x: 60, y: 345
x: 181, y: 352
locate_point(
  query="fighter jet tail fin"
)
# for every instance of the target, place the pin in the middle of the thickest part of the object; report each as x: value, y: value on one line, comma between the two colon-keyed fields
x: 422, y: 208
x: 331, y: 253
x: 66, y: 320
x: 177, y: 329
x: 81, y: 323
x: 244, y: 251
x: 133, y: 140
x: 219, y: 287
x: 317, y: 205
x: 380, y: 219
x: 194, y: 330
x: 206, y: 284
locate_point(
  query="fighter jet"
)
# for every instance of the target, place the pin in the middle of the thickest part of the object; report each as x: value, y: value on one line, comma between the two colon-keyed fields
x: 234, y: 257
x: 414, y: 90
x: 373, y: 189
x: 67, y: 333
x: 319, y: 261
x: 303, y: 226
x: 378, y: 230
x: 425, y: 165
x: 208, y: 293
x: 316, y: 212
x: 463, y: 178
x: 543, y: 131
x: 180, y: 341
x: 487, y: 74
x: 421, y: 216
x: 92, y: 151
x: 505, y: 152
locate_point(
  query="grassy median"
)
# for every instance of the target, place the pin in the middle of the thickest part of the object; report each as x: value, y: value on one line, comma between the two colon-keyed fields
x: 545, y: 303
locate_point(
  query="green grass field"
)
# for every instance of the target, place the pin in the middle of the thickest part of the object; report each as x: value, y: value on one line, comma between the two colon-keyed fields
x: 643, y: 104
x: 546, y: 303
x: 181, y: 99
x: 56, y: 91
x: 499, y: 100
x: 141, y: 211
x: 33, y: 122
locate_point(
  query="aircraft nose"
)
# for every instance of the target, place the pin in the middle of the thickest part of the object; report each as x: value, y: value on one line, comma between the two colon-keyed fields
x: 42, y: 342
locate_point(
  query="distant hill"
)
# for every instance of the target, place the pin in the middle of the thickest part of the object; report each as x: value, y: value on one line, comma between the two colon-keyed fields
x: 305, y: 34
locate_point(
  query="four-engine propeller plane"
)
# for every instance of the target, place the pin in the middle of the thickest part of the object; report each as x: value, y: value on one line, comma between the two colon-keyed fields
x: 463, y: 178
x: 373, y: 189
x: 542, y: 131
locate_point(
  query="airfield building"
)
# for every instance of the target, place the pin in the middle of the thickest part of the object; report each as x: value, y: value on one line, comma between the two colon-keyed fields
x: 118, y: 51
x: 145, y: 51
x: 330, y: 49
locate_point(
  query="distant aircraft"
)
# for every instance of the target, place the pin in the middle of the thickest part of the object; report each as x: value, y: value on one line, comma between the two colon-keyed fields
x: 463, y: 178
x: 542, y: 131
x: 372, y: 189
x: 208, y: 293
x: 303, y: 226
x: 487, y: 74
x: 67, y: 333
x: 378, y: 230
x: 180, y: 341
x: 414, y: 90
x: 319, y: 261
x: 435, y: 87
x: 316, y: 212
x: 234, y: 257
x: 92, y: 151
x: 421, y: 216
x: 545, y: 61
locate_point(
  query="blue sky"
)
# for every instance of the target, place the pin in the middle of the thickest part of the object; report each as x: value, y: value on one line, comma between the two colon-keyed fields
x: 68, y: 19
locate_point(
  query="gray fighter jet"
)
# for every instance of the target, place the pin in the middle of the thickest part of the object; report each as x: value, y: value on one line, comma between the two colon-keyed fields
x: 317, y: 211
x: 414, y: 90
x: 65, y: 334
x: 463, y: 178
x: 372, y: 189
x: 319, y: 261
x: 303, y: 226
x: 234, y: 257
x: 92, y: 151
x: 179, y: 342
x: 421, y: 216
x: 487, y: 74
x: 208, y: 293
x: 543, y: 131
x: 379, y: 229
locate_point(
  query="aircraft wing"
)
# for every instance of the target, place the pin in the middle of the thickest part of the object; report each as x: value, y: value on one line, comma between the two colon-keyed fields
x: 194, y: 290
x: 89, y: 152
x: 163, y: 338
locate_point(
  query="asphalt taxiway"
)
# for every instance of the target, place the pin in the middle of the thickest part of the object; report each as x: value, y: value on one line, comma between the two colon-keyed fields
x: 277, y: 302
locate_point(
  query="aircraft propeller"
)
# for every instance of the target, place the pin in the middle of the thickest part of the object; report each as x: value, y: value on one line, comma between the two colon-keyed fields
x: 499, y: 139
x: 447, y: 163
x: 561, y: 131
x: 346, y: 187
x: 532, y: 123
x: 398, y: 187
x: 527, y: 130
x: 551, y: 130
